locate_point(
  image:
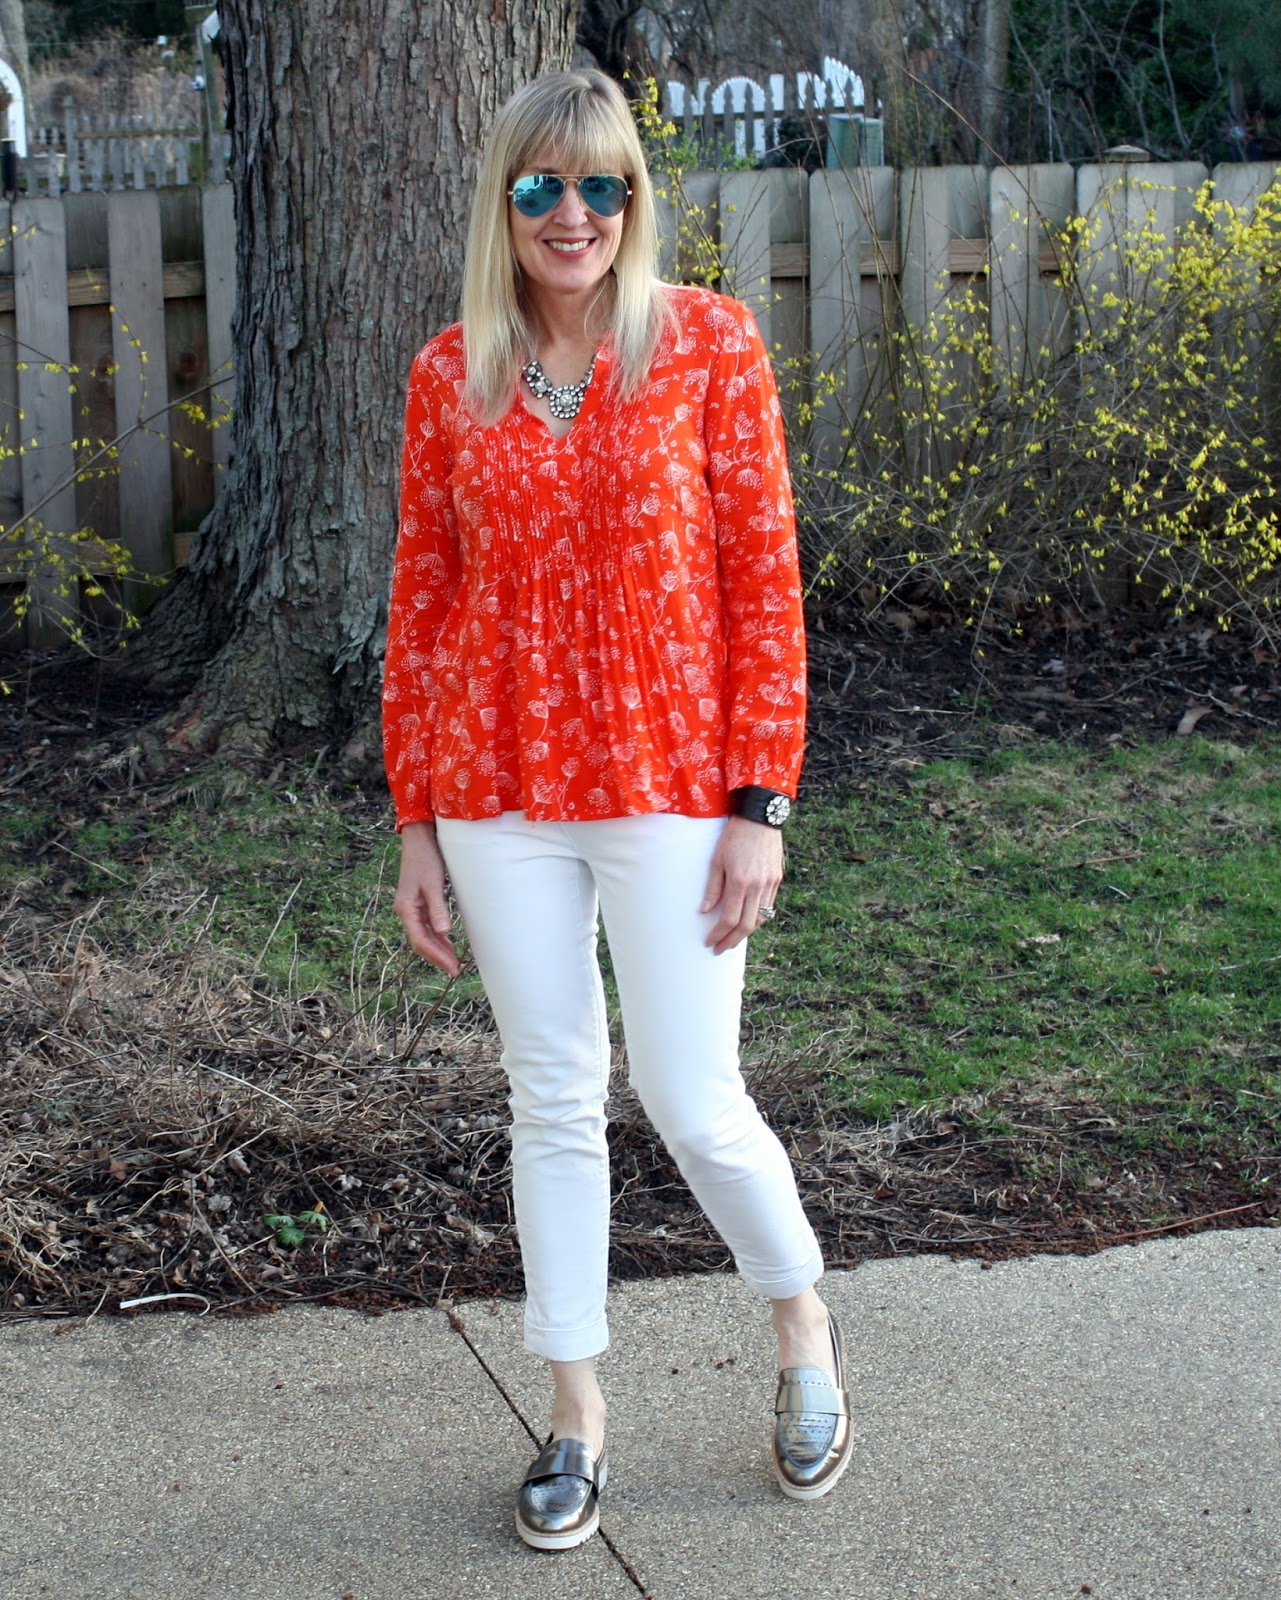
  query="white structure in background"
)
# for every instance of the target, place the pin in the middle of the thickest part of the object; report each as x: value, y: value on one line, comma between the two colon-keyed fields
x: 16, y: 112
x: 837, y: 90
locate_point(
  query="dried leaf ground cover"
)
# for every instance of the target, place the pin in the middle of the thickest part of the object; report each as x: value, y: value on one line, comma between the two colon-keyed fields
x: 1021, y: 998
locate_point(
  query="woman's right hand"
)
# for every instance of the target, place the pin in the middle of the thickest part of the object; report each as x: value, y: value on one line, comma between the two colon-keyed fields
x: 420, y: 897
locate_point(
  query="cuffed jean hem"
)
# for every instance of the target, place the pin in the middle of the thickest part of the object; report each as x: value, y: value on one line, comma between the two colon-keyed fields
x: 567, y: 1344
x: 794, y: 1283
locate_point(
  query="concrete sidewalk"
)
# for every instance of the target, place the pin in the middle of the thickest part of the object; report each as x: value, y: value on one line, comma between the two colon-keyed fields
x: 1049, y: 1428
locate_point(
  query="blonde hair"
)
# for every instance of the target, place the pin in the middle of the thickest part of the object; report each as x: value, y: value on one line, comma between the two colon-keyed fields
x: 584, y: 117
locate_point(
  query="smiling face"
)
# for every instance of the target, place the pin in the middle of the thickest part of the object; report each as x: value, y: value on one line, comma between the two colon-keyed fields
x: 564, y: 255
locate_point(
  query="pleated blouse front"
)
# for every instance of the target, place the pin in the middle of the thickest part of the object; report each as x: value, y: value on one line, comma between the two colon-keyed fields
x: 606, y: 624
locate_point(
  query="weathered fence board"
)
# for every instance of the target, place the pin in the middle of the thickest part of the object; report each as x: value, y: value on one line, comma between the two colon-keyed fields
x: 45, y: 423
x: 746, y: 242
x: 1028, y: 204
x: 92, y: 283
x: 680, y: 234
x: 1122, y: 201
x: 789, y: 235
x: 1241, y: 183
x: 145, y: 484
x: 852, y: 238
x: 92, y: 355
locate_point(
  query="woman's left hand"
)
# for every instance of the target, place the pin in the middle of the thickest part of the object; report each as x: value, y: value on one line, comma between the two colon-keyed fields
x: 746, y: 872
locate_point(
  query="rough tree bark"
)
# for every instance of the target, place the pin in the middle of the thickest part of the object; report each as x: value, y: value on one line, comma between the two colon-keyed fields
x: 355, y: 134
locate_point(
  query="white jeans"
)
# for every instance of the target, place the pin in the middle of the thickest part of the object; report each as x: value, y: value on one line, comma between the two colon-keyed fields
x: 528, y: 894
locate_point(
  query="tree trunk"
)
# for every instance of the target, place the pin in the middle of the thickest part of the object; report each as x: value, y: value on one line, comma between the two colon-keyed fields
x: 898, y: 94
x: 995, y: 47
x: 608, y: 32
x: 355, y: 135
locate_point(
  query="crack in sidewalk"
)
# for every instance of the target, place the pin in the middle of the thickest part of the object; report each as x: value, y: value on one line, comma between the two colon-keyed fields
x: 460, y: 1328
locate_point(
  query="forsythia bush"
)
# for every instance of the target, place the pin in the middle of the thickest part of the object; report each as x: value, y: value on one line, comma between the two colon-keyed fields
x: 1142, y: 449
x: 1137, y: 451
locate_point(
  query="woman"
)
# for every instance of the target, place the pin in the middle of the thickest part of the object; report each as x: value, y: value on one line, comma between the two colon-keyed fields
x: 594, y: 696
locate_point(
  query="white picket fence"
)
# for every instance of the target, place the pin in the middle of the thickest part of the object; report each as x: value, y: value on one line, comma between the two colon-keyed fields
x: 107, y: 155
x: 743, y: 118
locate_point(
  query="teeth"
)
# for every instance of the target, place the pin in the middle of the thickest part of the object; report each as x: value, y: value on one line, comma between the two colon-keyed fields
x: 572, y: 247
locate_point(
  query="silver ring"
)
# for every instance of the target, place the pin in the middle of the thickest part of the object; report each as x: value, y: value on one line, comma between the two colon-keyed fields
x: 766, y: 913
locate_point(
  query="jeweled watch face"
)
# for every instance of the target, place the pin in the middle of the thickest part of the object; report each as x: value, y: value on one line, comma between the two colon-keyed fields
x: 778, y: 810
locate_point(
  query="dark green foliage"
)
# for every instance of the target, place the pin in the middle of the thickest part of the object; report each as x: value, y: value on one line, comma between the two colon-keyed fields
x: 138, y: 19
x: 1185, y: 79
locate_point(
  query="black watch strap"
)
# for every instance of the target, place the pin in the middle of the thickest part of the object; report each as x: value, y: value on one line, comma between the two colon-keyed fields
x: 769, y: 806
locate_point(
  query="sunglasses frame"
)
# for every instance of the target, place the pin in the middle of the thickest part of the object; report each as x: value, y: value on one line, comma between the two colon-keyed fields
x: 565, y: 178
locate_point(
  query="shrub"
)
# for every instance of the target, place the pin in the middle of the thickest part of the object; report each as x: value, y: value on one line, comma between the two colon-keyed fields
x: 1140, y: 445
x: 1134, y: 451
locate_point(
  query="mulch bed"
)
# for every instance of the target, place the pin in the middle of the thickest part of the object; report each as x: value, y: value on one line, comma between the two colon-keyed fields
x: 921, y: 688
x: 152, y: 1112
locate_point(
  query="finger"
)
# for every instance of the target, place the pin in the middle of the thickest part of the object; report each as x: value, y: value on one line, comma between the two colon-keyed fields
x: 437, y: 917
x: 437, y: 945
x: 734, y: 923
x: 436, y: 948
x: 715, y: 885
x: 441, y: 954
x: 735, y: 936
x: 426, y: 939
x: 751, y: 919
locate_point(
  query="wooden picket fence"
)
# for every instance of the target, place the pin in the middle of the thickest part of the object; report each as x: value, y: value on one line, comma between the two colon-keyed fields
x: 92, y: 282
x: 814, y: 119
x: 827, y: 261
x: 114, y: 309
x: 110, y: 153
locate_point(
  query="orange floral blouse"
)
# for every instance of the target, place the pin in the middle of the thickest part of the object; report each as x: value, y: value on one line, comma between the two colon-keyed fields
x: 605, y: 624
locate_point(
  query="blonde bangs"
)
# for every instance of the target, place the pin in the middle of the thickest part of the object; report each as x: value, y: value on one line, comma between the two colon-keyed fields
x: 585, y: 143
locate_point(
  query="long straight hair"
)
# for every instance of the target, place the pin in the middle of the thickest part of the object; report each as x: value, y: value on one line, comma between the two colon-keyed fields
x: 585, y: 119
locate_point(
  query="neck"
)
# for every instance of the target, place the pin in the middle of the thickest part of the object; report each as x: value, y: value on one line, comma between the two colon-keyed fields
x: 567, y: 321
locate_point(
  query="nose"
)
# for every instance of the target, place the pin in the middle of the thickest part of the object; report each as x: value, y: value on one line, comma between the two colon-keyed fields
x: 570, y: 204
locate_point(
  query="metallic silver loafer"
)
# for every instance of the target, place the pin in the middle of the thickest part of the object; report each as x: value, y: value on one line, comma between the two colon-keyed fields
x: 813, y: 1441
x: 558, y: 1503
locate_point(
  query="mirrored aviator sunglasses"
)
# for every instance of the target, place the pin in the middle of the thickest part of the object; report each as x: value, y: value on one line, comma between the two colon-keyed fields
x: 534, y: 194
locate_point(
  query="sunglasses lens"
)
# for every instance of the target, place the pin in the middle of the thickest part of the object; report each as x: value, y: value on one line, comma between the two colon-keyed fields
x: 537, y: 193
x: 603, y: 194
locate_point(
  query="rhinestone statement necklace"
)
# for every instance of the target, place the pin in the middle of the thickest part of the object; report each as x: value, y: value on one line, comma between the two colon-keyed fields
x: 565, y: 399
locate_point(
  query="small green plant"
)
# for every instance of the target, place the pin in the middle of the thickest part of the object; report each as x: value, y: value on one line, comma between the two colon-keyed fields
x: 291, y: 1231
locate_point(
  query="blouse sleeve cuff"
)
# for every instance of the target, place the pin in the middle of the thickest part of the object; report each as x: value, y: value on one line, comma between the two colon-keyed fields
x: 415, y: 816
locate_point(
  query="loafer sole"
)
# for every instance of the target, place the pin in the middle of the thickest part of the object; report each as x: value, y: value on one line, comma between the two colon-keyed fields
x: 559, y: 1541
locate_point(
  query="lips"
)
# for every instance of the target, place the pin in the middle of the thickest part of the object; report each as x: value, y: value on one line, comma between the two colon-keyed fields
x: 570, y: 247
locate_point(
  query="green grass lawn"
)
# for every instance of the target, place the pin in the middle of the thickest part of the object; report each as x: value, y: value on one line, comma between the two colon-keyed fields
x: 1090, y: 925
x: 1071, y: 924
